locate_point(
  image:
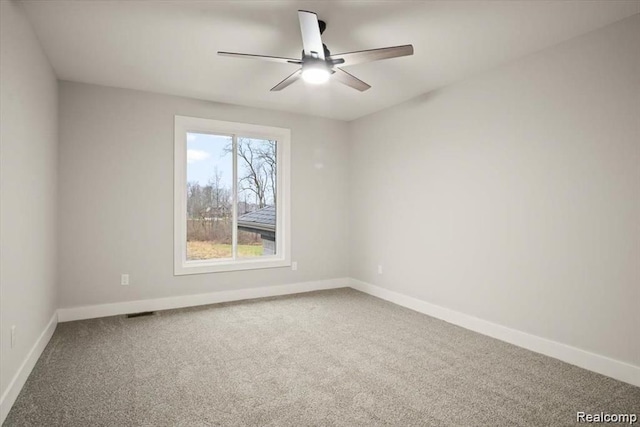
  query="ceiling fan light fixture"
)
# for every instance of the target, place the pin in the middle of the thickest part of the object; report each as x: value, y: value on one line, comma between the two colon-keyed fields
x: 315, y: 75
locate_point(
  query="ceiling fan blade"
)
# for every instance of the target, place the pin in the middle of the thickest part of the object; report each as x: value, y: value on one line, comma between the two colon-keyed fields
x: 261, y: 57
x: 286, y: 82
x: 362, y: 56
x: 345, y: 78
x: 310, y: 29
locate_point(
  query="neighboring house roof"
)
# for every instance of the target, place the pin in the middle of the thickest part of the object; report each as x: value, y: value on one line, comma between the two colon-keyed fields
x: 259, y: 221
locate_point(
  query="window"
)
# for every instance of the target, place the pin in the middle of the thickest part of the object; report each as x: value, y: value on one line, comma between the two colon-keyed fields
x: 231, y: 196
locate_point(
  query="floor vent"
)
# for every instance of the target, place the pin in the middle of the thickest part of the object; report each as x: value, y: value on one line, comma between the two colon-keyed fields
x: 141, y: 314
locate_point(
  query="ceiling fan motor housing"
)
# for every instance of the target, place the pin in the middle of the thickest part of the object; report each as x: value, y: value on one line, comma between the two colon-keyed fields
x: 327, y: 52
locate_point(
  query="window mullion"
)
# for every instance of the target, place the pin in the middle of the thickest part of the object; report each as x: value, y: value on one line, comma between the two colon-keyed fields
x: 185, y: 215
x: 234, y: 231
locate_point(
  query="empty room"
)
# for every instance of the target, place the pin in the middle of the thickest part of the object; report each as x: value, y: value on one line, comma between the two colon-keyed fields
x: 319, y: 213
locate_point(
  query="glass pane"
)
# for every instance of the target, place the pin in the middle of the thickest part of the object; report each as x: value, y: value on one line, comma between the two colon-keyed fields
x: 256, y: 197
x: 209, y: 196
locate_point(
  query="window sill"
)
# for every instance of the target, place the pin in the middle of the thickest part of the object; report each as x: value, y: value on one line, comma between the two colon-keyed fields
x: 207, y: 266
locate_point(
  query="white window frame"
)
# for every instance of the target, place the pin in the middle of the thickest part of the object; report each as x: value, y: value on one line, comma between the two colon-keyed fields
x: 282, y: 136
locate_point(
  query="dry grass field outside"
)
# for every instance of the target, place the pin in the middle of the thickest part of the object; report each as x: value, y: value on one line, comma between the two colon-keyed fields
x: 210, y: 250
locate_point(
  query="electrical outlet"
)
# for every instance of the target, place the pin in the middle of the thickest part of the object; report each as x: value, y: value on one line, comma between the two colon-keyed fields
x: 380, y: 269
x: 294, y: 266
x: 124, y: 280
x: 13, y: 336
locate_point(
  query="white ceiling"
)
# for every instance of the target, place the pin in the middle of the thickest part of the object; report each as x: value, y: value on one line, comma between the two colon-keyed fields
x: 170, y: 46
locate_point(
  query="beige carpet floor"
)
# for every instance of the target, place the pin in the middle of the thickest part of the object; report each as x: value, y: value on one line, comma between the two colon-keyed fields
x: 325, y: 358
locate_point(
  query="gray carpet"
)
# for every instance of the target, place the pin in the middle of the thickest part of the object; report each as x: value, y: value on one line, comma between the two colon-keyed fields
x: 324, y: 358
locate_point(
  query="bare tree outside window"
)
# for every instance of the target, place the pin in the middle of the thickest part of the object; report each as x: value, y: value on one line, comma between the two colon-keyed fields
x: 257, y: 178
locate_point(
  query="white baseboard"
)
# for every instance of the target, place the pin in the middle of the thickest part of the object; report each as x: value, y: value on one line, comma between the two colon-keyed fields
x: 103, y: 310
x: 594, y: 362
x: 18, y: 380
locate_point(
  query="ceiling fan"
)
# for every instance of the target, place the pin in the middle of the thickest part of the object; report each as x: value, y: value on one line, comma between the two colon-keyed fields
x: 317, y: 63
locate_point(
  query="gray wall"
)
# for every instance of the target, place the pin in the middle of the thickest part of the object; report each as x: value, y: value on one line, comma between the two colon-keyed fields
x: 28, y: 169
x: 514, y: 196
x: 116, y: 196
